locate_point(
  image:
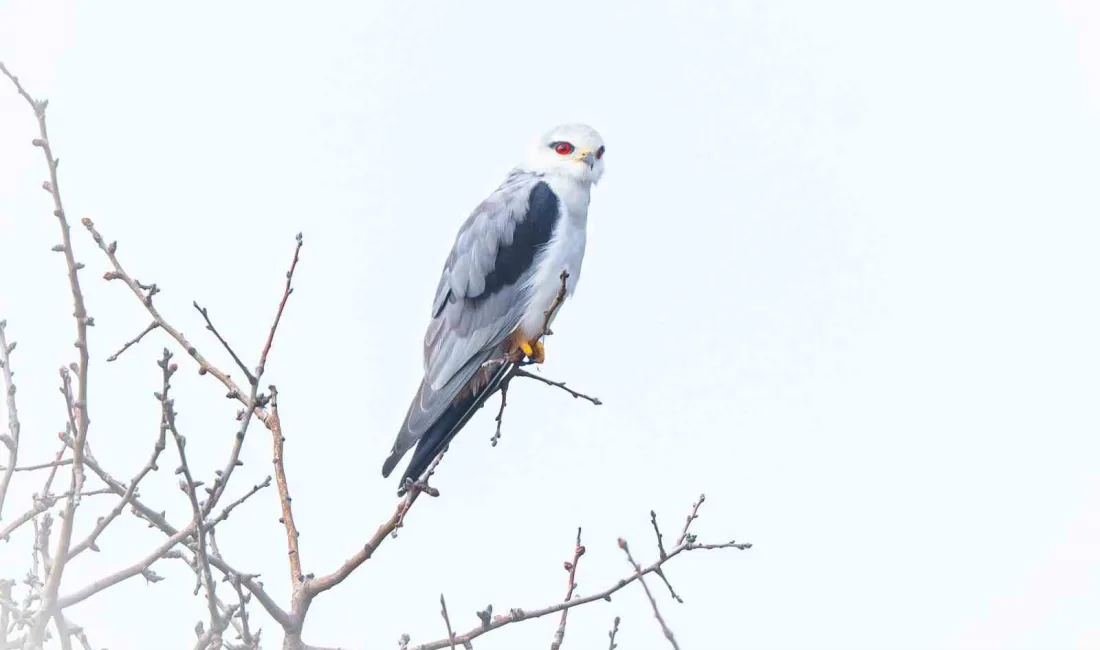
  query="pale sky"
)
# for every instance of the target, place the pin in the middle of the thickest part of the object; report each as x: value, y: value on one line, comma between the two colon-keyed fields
x: 841, y: 277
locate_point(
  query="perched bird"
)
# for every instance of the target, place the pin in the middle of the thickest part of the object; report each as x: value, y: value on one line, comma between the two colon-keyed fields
x: 500, y: 280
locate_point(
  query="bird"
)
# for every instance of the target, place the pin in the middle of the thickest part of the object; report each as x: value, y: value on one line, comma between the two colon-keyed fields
x: 514, y: 261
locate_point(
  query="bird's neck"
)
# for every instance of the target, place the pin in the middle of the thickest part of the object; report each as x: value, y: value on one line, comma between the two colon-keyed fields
x: 574, y: 193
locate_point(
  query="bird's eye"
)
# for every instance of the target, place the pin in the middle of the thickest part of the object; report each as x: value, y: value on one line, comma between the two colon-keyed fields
x: 599, y: 153
x: 563, y: 148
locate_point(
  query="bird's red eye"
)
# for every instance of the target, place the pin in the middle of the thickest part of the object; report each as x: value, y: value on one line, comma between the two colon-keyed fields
x: 599, y: 153
x: 563, y: 148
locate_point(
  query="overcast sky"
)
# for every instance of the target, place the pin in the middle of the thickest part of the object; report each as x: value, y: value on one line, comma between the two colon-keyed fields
x: 841, y: 277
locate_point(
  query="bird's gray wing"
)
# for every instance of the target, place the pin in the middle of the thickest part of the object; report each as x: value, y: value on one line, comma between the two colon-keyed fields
x: 481, y: 296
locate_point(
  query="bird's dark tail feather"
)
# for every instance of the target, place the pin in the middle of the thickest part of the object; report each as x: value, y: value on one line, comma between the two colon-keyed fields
x: 443, y: 430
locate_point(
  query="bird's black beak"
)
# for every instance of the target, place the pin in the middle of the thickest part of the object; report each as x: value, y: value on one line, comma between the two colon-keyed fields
x: 589, y: 159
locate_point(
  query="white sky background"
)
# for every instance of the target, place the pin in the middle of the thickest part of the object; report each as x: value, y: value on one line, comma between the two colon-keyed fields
x: 841, y: 277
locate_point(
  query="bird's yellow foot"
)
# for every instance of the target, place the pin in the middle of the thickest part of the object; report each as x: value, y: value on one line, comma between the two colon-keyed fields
x: 534, y: 350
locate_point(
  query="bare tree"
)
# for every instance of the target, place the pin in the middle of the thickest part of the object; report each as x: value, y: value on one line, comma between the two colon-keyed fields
x: 33, y: 612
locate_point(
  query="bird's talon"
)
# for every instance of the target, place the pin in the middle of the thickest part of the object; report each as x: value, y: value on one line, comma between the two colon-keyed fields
x: 534, y: 350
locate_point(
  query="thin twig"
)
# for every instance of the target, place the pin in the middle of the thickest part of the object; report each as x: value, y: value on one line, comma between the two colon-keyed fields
x: 656, y: 611
x: 221, y: 481
x: 224, y: 514
x: 691, y: 517
x: 520, y: 372
x: 571, y: 567
x: 82, y: 322
x: 559, y: 300
x: 225, y: 344
x: 287, y: 519
x: 202, y: 560
x: 500, y: 413
x: 150, y: 466
x: 66, y: 443
x: 287, y: 290
x: 230, y: 613
x: 134, y: 341
x: 612, y: 633
x: 657, y: 531
x: 11, y: 441
x: 41, y: 504
x: 245, y: 629
x: 447, y: 620
x: 40, y: 466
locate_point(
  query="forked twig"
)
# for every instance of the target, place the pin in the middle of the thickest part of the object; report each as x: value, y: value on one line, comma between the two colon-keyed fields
x: 571, y: 567
x: 656, y: 611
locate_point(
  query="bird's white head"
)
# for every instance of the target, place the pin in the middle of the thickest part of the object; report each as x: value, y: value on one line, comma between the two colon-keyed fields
x: 572, y: 150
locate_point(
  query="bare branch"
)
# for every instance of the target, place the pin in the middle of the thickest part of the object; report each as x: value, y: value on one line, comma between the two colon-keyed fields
x: 11, y: 441
x: 41, y: 466
x: 324, y: 583
x: 254, y: 379
x: 139, y: 290
x: 66, y: 443
x: 656, y: 611
x: 225, y: 344
x: 7, y: 608
x: 447, y: 620
x: 41, y: 504
x: 657, y: 531
x: 282, y: 305
x: 559, y: 300
x: 690, y: 518
x: 232, y: 506
x: 222, y: 479
x: 500, y: 413
x: 138, y: 568
x: 64, y: 636
x: 157, y: 520
x: 661, y: 549
x: 168, y: 415
x: 571, y: 567
x: 134, y: 341
x: 490, y: 623
x: 287, y: 518
x: 250, y: 642
x: 150, y: 466
x: 612, y: 633
x: 517, y: 370
x: 83, y: 321
x: 520, y: 372
x: 67, y: 628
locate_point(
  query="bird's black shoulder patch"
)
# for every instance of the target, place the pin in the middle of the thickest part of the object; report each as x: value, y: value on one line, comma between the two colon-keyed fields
x: 532, y: 232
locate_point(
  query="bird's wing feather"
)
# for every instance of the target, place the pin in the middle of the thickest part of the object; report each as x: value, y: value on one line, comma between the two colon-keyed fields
x: 481, y: 296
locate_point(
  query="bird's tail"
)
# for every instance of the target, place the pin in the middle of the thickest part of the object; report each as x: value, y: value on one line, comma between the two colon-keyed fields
x: 449, y: 423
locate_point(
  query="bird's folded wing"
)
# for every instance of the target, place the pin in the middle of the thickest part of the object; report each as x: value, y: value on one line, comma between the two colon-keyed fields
x: 481, y: 296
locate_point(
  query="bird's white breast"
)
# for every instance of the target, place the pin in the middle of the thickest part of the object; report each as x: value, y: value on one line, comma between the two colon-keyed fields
x: 565, y: 251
